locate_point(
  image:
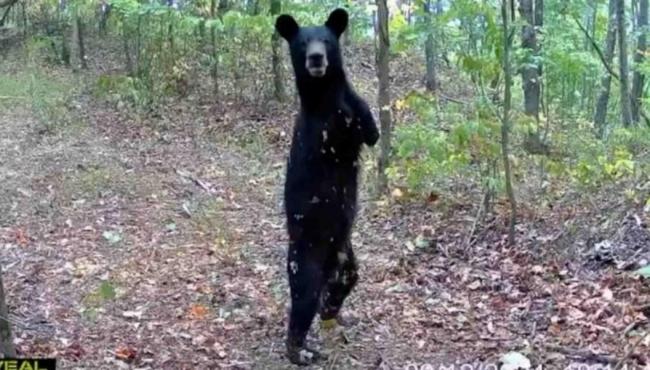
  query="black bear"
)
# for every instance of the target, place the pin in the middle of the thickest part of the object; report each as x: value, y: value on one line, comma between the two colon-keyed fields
x: 321, y: 182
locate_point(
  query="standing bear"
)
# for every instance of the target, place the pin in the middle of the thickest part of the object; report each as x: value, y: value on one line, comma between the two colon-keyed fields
x: 321, y: 182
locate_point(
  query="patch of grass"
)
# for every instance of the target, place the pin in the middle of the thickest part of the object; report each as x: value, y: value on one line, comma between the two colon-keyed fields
x: 47, y: 94
x: 121, y: 90
x: 103, y: 293
x: 98, y: 181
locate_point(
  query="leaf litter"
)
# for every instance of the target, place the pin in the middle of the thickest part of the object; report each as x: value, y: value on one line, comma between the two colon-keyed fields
x: 179, y: 262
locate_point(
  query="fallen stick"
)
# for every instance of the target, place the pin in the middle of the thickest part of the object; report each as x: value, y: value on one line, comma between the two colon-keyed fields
x: 582, y: 354
x: 202, y: 184
x: 590, y: 356
x: 630, y: 351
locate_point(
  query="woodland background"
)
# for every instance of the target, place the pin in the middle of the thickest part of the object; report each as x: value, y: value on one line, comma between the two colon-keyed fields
x: 142, y: 154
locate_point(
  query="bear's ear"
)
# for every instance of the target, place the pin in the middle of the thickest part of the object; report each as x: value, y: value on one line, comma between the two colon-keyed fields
x: 286, y: 26
x: 337, y: 21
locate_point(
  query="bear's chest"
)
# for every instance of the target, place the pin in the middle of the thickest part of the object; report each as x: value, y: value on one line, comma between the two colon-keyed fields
x: 332, y: 139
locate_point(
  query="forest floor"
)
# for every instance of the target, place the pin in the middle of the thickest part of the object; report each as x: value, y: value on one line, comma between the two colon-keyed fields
x: 158, y: 241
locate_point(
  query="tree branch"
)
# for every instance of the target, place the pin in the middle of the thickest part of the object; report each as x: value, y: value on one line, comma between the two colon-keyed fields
x: 601, y: 56
x: 597, y: 49
x: 4, y: 3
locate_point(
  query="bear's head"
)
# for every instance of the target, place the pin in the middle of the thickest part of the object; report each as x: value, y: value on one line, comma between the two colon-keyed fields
x: 314, y: 50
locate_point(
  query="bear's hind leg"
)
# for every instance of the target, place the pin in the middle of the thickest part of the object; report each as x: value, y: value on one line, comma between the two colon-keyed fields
x: 340, y: 284
x: 306, y: 279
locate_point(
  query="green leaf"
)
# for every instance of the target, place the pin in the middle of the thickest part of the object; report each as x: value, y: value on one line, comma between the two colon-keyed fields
x: 644, y: 271
x: 106, y: 290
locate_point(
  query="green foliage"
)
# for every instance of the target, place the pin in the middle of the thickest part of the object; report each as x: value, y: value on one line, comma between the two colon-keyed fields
x: 121, y: 89
x: 49, y: 97
x: 404, y: 37
x: 244, y: 37
x: 426, y: 152
x: 592, y: 163
x: 104, y: 292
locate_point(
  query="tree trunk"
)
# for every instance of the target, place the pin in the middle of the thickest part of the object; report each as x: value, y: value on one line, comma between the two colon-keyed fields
x: 626, y: 109
x: 4, y: 3
x: 6, y: 339
x: 278, y: 79
x: 24, y: 13
x: 214, y: 70
x: 224, y: 6
x: 8, y: 6
x: 606, y: 80
x: 81, y: 46
x: 127, y: 53
x: 505, y: 124
x: 383, y: 98
x: 532, y: 13
x: 587, y: 84
x: 104, y: 12
x: 65, y: 52
x: 429, y: 49
x: 638, y: 80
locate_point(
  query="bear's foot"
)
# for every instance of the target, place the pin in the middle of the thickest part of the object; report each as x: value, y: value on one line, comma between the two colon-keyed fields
x: 303, y: 355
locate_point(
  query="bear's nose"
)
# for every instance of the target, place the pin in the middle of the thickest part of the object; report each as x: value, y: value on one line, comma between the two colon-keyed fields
x: 316, y: 59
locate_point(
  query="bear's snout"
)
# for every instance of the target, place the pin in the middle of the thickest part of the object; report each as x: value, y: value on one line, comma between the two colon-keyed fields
x: 316, y: 59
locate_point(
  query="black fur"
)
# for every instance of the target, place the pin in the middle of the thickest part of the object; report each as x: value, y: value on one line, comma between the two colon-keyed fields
x: 321, y: 181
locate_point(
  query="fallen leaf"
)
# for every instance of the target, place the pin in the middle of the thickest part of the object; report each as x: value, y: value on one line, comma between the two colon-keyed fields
x: 106, y: 290
x: 21, y: 238
x: 608, y: 295
x: 198, y: 312
x: 125, y: 354
x: 112, y: 237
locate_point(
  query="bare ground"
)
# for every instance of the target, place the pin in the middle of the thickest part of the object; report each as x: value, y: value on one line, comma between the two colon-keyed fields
x: 160, y: 243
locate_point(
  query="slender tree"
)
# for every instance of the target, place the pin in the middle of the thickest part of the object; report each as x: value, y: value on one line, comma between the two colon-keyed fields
x: 79, y: 36
x: 626, y: 106
x: 429, y: 47
x: 214, y: 70
x: 606, y: 80
x: 383, y: 98
x: 276, y: 60
x: 532, y: 12
x: 638, y: 79
x: 506, y: 10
